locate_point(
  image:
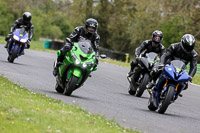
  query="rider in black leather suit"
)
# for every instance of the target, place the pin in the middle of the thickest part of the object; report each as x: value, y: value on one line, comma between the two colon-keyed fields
x: 87, y: 32
x: 151, y: 45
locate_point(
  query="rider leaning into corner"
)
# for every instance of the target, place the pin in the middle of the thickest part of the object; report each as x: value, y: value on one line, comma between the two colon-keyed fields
x: 86, y: 32
x: 26, y: 21
x: 151, y: 45
x: 183, y: 51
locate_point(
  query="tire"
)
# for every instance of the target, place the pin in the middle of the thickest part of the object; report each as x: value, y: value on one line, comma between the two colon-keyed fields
x: 131, y: 92
x: 166, y: 101
x: 70, y: 86
x: 14, y: 54
x: 131, y: 89
x: 151, y: 105
x: 58, y: 88
x: 142, y: 87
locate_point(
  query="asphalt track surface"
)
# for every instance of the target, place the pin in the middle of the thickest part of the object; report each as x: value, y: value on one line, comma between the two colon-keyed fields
x: 106, y: 93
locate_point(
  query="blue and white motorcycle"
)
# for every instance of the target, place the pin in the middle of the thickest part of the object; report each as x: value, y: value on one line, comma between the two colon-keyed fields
x: 17, y: 43
x: 175, y: 77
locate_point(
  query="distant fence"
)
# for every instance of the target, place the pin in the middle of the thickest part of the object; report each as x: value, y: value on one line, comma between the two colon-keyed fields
x: 55, y: 45
x: 116, y: 55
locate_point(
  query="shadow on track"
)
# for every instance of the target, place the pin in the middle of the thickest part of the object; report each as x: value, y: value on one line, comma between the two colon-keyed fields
x: 72, y: 96
x: 133, y: 96
x: 15, y: 63
x: 164, y: 115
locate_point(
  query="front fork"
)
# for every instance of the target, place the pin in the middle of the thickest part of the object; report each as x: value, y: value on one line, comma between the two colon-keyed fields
x: 76, y: 72
x: 21, y: 48
x: 176, y: 92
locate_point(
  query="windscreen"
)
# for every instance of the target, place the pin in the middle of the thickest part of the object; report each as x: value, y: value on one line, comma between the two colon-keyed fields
x: 85, y: 46
x: 21, y: 31
x: 151, y: 56
x: 178, y: 64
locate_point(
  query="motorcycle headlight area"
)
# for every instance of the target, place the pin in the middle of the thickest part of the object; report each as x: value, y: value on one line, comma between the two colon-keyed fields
x: 84, y: 65
x: 16, y: 37
x: 23, y: 40
x: 75, y: 58
x: 88, y: 64
x: 151, y: 62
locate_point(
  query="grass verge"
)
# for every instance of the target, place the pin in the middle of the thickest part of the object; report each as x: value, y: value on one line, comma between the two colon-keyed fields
x: 196, y: 79
x: 25, y: 111
x: 119, y: 63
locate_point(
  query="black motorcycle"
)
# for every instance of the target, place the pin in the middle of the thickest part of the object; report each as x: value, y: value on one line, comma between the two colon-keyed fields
x: 141, y: 74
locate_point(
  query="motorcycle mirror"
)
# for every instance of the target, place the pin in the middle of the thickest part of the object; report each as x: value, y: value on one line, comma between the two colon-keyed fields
x: 103, y: 56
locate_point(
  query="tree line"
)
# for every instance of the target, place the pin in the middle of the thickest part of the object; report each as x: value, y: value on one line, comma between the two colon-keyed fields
x: 123, y: 24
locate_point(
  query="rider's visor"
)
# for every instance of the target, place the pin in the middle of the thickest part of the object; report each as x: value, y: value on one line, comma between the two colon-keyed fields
x: 91, y: 28
x: 157, y: 38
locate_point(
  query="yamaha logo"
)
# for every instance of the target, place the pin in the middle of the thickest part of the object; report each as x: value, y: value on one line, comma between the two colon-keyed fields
x: 170, y: 69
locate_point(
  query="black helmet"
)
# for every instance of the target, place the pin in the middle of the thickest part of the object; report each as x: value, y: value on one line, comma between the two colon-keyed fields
x: 187, y: 42
x: 27, y: 17
x: 91, y: 25
x: 157, y: 36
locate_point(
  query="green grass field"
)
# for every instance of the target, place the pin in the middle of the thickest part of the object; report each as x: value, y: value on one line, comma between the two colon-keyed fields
x: 23, y: 111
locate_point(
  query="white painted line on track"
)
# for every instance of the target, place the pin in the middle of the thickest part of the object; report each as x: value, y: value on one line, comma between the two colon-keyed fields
x: 195, y: 84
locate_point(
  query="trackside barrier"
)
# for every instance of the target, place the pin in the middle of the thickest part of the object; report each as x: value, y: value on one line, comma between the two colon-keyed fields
x: 47, y: 44
x: 55, y: 45
x: 116, y: 55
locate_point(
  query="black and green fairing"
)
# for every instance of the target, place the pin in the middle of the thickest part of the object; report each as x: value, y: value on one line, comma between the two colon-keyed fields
x: 80, y: 61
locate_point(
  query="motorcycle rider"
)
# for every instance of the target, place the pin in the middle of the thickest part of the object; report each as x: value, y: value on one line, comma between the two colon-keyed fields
x: 86, y: 32
x: 183, y: 51
x: 151, y: 45
x: 25, y: 20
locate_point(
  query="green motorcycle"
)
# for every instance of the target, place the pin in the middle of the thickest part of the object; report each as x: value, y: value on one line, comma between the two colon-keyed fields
x: 76, y: 67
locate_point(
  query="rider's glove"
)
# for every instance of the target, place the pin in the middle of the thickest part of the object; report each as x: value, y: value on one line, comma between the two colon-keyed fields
x: 68, y: 46
x: 156, y: 69
x: 8, y: 37
x: 136, y: 56
x: 27, y: 44
x: 190, y: 79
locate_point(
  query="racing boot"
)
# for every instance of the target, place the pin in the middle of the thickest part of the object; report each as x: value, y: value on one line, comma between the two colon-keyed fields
x: 55, y: 70
x: 130, y: 73
x: 149, y: 87
x: 6, y: 46
x: 7, y: 40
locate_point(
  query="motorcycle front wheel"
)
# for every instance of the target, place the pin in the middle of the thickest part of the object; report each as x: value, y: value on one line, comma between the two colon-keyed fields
x: 14, y: 54
x: 166, y: 101
x: 71, y: 85
x: 140, y: 90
